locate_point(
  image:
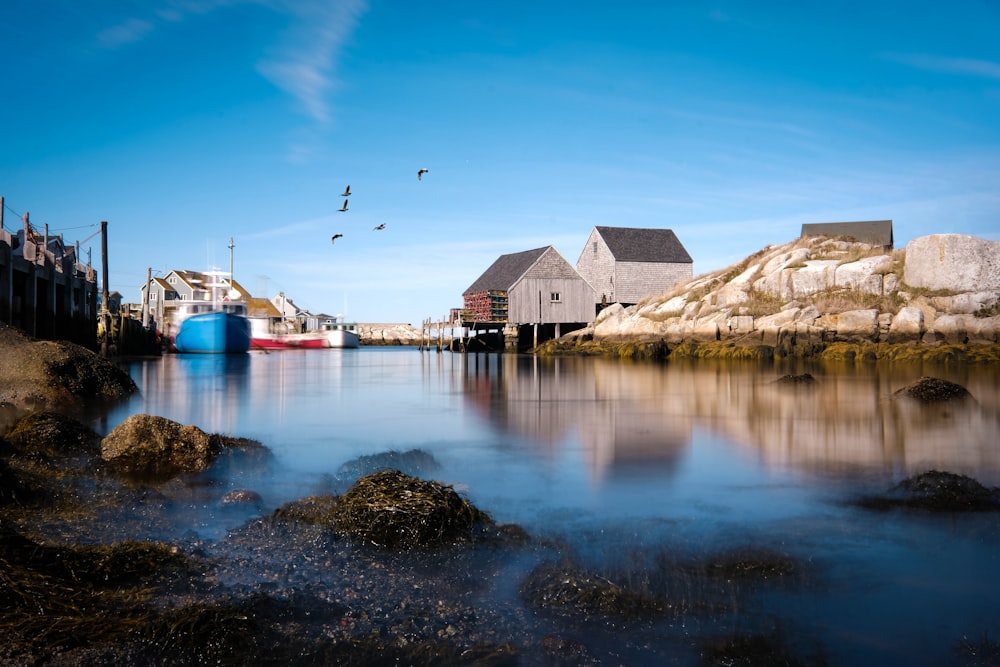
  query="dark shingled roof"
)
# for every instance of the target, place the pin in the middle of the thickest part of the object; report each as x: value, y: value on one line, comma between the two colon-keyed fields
x: 873, y: 232
x: 629, y: 244
x: 504, y: 272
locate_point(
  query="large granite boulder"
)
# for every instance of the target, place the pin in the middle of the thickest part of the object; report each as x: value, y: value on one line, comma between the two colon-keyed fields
x: 953, y: 262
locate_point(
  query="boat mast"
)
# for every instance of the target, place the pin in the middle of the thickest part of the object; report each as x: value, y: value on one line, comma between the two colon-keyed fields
x: 231, y: 246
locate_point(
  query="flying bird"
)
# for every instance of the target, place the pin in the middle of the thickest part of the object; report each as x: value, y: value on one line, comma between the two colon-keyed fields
x: 420, y: 174
x: 343, y: 208
x: 333, y: 239
x: 382, y: 226
x: 347, y: 192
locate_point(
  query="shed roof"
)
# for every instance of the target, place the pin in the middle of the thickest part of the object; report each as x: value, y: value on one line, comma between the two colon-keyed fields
x: 874, y: 232
x: 632, y: 244
x: 504, y: 272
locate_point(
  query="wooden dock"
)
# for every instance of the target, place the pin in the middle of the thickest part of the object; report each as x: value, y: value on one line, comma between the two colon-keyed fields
x: 458, y: 332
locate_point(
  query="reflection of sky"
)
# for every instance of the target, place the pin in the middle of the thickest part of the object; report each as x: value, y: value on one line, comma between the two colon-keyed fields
x: 585, y: 428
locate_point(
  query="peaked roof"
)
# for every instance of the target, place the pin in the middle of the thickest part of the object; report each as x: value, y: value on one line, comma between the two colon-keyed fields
x: 203, y: 281
x: 261, y: 307
x: 504, y: 272
x: 874, y: 232
x: 631, y: 244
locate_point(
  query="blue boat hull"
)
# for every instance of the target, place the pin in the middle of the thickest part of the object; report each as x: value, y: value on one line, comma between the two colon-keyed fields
x: 213, y: 333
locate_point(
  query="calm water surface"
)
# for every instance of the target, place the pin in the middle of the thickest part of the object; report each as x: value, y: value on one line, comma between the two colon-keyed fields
x: 626, y: 461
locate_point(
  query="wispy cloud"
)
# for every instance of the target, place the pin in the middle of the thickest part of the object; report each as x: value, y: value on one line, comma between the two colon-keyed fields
x: 305, y: 63
x: 304, y: 60
x: 129, y: 31
x: 945, y: 65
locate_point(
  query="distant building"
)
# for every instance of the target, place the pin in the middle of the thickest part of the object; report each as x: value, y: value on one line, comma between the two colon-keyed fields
x: 625, y: 264
x: 535, y: 286
x: 872, y: 232
x: 181, y: 285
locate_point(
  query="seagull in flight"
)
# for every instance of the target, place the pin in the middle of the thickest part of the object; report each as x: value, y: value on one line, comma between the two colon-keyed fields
x: 343, y: 208
x: 382, y: 226
x: 333, y: 239
x: 347, y: 192
x: 420, y: 174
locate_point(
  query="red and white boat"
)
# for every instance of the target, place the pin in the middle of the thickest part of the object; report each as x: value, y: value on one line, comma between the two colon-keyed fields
x: 331, y: 334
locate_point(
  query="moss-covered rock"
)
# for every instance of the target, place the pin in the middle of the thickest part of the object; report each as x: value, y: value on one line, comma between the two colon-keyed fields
x: 934, y: 390
x: 394, y: 510
x: 937, y: 491
x: 52, y: 375
x: 568, y: 589
x: 53, y: 434
x: 147, y: 444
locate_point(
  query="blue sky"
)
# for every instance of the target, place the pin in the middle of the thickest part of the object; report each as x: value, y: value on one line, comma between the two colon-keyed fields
x: 186, y: 122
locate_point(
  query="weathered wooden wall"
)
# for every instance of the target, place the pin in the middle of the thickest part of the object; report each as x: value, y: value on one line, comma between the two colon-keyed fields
x: 47, y: 297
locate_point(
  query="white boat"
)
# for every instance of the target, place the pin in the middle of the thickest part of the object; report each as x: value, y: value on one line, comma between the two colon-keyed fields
x: 340, y: 333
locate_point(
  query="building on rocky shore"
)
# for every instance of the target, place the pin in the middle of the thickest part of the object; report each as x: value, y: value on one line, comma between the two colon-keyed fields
x: 541, y: 293
x: 943, y: 288
x: 872, y: 232
x: 626, y: 264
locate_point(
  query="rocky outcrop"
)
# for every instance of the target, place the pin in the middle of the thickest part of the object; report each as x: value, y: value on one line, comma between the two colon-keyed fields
x: 158, y: 446
x: 388, y: 334
x: 53, y: 375
x: 940, y: 289
x: 953, y: 262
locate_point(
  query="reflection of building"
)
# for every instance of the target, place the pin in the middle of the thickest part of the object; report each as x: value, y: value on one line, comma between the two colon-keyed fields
x: 613, y: 410
x: 626, y: 415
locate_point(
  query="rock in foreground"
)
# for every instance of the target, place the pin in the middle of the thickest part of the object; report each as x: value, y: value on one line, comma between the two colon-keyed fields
x: 391, y: 509
x: 154, y: 445
x: 52, y: 375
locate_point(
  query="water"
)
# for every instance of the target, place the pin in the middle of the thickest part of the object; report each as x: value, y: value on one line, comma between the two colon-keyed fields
x: 634, y: 461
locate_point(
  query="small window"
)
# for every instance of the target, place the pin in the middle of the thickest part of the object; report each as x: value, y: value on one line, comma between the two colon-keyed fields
x: 595, y: 247
x: 554, y: 296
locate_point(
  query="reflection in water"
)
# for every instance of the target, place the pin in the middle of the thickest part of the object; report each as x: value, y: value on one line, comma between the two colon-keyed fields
x: 625, y: 414
x: 659, y: 461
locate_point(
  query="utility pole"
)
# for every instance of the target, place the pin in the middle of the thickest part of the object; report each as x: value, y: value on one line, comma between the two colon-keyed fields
x: 105, y: 313
x: 145, y: 300
x: 231, y: 246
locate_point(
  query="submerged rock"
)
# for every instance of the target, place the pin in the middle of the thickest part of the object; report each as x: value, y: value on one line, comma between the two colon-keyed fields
x: 933, y: 390
x: 798, y: 380
x: 570, y: 590
x: 938, y: 491
x: 411, y: 462
x: 241, y: 497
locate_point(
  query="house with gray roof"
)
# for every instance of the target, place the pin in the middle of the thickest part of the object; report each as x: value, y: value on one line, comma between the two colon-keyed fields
x: 625, y: 264
x: 872, y: 232
x: 535, y: 286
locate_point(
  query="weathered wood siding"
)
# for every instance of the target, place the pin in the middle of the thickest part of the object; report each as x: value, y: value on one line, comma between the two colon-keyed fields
x: 597, y: 266
x: 636, y: 280
x: 626, y: 282
x: 530, y: 299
